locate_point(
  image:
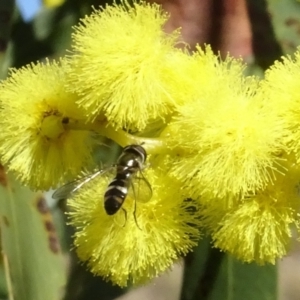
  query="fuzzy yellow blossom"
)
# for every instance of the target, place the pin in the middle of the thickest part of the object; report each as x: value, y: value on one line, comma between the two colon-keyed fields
x: 124, y: 251
x: 125, y: 65
x: 281, y: 93
x: 34, y: 141
x: 53, y: 3
x: 226, y: 141
x: 259, y: 228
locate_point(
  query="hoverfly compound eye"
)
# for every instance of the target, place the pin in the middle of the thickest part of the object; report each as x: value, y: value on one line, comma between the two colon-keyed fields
x: 137, y: 150
x: 142, y: 152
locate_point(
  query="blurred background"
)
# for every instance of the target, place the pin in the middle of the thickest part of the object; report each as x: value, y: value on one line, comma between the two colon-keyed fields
x: 38, y: 262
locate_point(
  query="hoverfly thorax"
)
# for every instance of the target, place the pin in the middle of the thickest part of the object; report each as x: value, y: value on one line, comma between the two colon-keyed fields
x: 132, y: 159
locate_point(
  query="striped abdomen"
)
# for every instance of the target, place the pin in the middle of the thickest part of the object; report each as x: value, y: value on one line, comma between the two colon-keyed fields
x: 116, y: 193
x: 129, y: 163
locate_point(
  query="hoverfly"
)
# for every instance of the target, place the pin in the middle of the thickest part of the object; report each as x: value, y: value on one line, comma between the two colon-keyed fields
x: 128, y: 177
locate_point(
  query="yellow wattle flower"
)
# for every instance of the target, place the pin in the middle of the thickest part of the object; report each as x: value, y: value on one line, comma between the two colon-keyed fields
x: 34, y: 140
x: 227, y: 142
x: 258, y: 229
x: 124, y: 251
x: 53, y: 3
x: 125, y: 66
x: 280, y: 92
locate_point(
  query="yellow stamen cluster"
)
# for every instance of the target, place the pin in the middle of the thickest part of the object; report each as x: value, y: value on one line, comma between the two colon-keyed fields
x: 258, y: 228
x: 280, y: 93
x: 125, y: 65
x: 230, y: 141
x: 224, y: 147
x: 123, y: 249
x: 34, y: 142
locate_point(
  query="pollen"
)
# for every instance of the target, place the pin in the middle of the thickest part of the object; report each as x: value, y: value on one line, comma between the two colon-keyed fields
x: 52, y: 127
x: 280, y: 92
x: 33, y: 140
x: 125, y: 66
x: 258, y: 229
x: 128, y: 250
x: 229, y: 142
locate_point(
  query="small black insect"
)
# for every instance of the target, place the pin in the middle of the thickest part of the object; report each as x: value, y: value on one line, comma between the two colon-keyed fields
x: 128, y: 178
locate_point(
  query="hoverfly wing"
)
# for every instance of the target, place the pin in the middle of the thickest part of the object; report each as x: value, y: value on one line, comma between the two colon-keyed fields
x: 140, y: 188
x: 67, y: 190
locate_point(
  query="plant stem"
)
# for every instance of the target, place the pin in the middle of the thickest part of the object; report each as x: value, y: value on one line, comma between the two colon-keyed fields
x: 121, y: 137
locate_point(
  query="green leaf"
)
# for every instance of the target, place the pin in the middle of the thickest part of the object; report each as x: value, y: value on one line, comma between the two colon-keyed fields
x: 54, y: 26
x: 6, y: 16
x: 238, y: 280
x: 84, y: 285
x: 3, y: 285
x: 285, y: 15
x: 6, y: 12
x: 29, y: 242
x: 43, y: 23
x: 266, y: 48
x: 213, y: 275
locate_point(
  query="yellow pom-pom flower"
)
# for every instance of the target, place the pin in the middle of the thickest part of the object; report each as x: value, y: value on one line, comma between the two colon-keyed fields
x: 34, y: 140
x: 125, y: 65
x: 124, y: 251
x: 53, y: 3
x: 226, y: 141
x: 280, y: 90
x: 259, y: 228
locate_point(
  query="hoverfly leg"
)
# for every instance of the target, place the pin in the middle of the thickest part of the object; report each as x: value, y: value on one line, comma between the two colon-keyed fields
x: 134, y: 215
x: 125, y: 214
x: 134, y: 209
